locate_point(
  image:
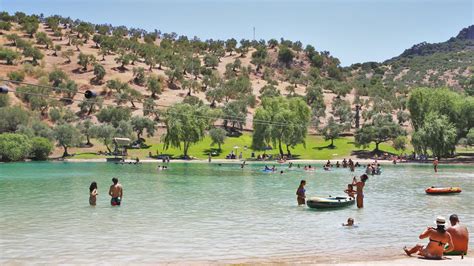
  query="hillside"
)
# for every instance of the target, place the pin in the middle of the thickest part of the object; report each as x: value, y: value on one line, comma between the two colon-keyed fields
x: 49, y: 63
x: 444, y: 64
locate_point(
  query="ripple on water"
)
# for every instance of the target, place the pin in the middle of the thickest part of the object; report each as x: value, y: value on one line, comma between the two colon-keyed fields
x: 205, y: 213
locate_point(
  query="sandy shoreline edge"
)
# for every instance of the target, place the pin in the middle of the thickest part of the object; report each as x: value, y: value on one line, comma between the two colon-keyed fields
x: 236, y: 161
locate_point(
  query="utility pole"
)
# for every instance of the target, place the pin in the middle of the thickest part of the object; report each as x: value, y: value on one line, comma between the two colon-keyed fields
x: 254, y: 33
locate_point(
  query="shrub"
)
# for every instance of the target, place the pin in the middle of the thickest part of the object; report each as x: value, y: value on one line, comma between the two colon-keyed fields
x: 4, y: 100
x: 16, y: 75
x: 14, y: 147
x: 41, y: 148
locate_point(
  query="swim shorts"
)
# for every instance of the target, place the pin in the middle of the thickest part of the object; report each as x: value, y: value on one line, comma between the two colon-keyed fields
x: 115, y: 201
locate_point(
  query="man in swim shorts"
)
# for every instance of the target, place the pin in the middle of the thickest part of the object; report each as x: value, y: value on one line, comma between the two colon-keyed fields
x: 459, y: 235
x: 115, y: 192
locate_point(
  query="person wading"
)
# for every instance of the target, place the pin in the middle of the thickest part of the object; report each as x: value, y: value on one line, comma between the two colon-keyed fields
x: 360, y: 189
x: 116, y: 192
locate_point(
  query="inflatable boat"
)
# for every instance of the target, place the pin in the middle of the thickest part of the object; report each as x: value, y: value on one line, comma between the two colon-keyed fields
x: 442, y: 190
x: 331, y: 202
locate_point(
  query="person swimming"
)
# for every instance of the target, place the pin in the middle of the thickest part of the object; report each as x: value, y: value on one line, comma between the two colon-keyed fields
x: 350, y: 222
x: 93, y: 193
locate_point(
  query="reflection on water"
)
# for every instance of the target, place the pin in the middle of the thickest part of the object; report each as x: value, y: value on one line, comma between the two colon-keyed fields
x: 202, y: 213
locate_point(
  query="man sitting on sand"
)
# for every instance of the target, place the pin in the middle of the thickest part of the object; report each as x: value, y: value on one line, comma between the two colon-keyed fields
x: 459, y: 235
x: 438, y: 237
x: 115, y: 192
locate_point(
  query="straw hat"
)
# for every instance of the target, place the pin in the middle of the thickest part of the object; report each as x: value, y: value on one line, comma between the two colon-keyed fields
x: 440, y: 220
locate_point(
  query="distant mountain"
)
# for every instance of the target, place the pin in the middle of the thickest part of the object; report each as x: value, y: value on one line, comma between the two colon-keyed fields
x: 463, y: 41
x: 449, y: 63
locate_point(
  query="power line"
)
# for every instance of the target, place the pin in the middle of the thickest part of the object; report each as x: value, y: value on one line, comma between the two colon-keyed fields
x: 228, y: 118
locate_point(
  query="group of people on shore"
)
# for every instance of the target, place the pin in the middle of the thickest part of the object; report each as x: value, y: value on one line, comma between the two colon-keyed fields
x: 453, y: 240
x: 115, y: 192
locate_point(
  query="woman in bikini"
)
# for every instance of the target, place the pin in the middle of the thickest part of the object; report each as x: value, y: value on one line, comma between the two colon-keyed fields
x: 93, y: 193
x: 438, y: 237
x: 300, y: 192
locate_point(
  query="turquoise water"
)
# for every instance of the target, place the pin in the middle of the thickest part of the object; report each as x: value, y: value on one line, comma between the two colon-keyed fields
x: 211, y: 213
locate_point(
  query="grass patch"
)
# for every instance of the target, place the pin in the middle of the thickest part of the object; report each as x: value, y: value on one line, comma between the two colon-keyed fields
x: 316, y: 149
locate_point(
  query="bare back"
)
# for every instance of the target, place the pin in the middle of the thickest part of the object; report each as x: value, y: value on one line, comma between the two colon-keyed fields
x: 437, y: 242
x: 460, y: 237
x: 115, y: 191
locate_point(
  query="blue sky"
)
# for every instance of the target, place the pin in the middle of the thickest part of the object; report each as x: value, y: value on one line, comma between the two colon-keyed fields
x: 352, y: 30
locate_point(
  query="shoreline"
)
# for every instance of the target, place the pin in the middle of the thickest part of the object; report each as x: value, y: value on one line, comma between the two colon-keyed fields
x: 237, y: 161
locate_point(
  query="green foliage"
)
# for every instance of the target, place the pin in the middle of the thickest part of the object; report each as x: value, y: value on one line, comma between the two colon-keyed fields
x: 139, y: 76
x: 67, y: 54
x: 235, y: 114
x: 400, y: 143
x: 99, y: 72
x: 140, y: 123
x: 285, y: 55
x: 42, y: 38
x: 35, y: 96
x: 458, y: 109
x: 85, y: 60
x: 57, y: 77
x: 41, y: 148
x: 14, y: 147
x: 185, y: 125
x: 34, y: 53
x: 437, y: 134
x: 154, y: 85
x: 269, y: 91
x: 16, y: 75
x: 30, y: 25
x: 113, y: 115
x: 218, y: 136
x: 66, y: 136
x: 211, y: 61
x: 381, y: 129
x: 4, y: 100
x: 331, y: 131
x: 9, y: 55
x: 5, y: 25
x: 105, y: 133
x: 85, y: 128
x: 280, y: 121
x: 470, y: 137
x: 12, y: 118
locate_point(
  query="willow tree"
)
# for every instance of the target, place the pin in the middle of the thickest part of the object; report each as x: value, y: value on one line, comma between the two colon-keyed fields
x: 186, y: 125
x: 281, y: 121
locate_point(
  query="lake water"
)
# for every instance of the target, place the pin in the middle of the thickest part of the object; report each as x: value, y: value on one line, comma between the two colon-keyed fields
x: 209, y: 213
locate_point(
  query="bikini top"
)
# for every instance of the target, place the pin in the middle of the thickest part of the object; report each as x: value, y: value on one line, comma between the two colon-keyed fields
x: 439, y: 242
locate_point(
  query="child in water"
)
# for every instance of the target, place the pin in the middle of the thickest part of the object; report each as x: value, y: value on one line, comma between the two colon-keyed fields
x: 93, y: 193
x: 350, y: 222
x: 350, y: 191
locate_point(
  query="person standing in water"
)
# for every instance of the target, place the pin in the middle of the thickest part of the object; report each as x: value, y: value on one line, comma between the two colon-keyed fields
x: 301, y: 193
x: 459, y: 235
x: 116, y: 192
x: 93, y: 193
x: 360, y: 189
x: 438, y: 237
x: 435, y: 164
